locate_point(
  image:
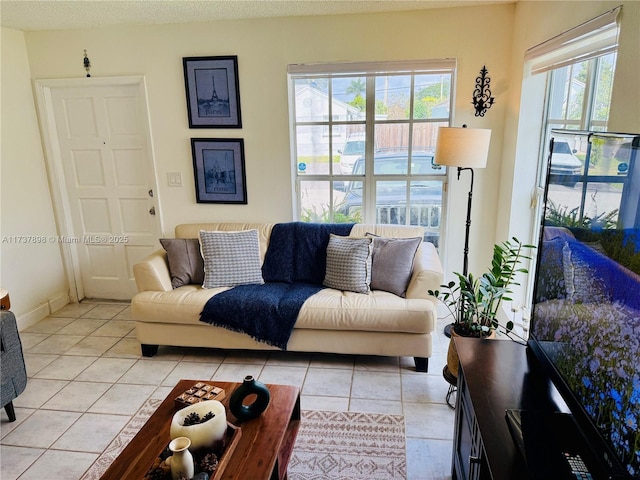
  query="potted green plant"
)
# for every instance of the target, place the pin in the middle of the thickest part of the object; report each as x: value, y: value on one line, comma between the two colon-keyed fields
x: 474, y: 301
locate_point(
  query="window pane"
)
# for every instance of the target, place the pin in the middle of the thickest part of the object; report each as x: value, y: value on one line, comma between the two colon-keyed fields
x: 315, y: 206
x: 352, y: 149
x: 313, y: 150
x: 314, y: 201
x: 391, y: 137
x: 576, y: 90
x: 557, y: 95
x: 349, y: 99
x: 393, y: 94
x: 349, y: 206
x: 391, y: 163
x: 426, y: 208
x: 604, y: 85
x: 391, y: 202
x: 311, y: 100
x: 431, y: 96
x: 424, y: 136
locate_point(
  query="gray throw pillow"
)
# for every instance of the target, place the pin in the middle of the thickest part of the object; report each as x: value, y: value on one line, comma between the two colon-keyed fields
x: 185, y: 261
x: 392, y: 263
x: 348, y: 264
x: 231, y: 258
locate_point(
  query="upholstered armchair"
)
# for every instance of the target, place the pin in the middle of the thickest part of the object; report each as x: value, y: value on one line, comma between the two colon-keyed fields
x: 14, y: 373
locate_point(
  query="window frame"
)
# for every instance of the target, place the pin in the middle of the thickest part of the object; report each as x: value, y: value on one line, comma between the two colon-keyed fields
x: 370, y: 72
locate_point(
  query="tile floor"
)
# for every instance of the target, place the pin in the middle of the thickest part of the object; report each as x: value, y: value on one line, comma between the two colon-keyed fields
x: 87, y: 378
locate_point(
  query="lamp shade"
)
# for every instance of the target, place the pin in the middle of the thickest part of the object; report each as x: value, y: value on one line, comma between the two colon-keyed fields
x: 462, y: 147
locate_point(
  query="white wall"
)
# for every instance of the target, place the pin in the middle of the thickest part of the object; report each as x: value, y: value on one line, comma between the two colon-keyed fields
x: 31, y: 268
x: 477, y: 36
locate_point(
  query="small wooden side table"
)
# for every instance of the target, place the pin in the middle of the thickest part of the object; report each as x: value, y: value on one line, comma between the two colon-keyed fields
x: 5, y: 301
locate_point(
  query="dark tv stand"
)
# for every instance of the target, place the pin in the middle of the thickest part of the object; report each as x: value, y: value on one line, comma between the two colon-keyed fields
x: 495, y: 376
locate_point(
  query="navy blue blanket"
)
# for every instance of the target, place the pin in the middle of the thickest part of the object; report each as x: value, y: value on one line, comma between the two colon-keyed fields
x: 293, y: 269
x: 266, y: 312
x: 297, y: 251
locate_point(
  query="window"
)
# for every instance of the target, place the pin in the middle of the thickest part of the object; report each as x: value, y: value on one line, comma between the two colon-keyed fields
x: 567, y: 84
x: 579, y: 65
x: 579, y: 99
x: 363, y: 142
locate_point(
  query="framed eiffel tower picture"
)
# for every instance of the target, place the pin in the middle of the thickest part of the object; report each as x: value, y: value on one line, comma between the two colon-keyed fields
x: 213, y: 92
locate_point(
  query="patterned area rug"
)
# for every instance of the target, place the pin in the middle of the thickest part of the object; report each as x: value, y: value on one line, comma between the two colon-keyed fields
x: 330, y: 445
x: 349, y: 446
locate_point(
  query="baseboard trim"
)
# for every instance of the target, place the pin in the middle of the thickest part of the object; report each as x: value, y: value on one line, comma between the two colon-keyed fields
x: 58, y: 302
x: 42, y: 311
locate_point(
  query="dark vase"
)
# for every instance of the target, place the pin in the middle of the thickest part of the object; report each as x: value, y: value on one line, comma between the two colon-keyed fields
x: 250, y: 386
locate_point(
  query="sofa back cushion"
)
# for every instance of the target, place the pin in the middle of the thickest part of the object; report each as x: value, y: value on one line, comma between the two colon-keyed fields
x: 192, y: 230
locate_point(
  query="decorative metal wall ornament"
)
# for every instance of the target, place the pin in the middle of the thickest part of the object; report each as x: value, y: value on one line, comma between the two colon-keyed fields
x: 87, y: 64
x: 482, y: 99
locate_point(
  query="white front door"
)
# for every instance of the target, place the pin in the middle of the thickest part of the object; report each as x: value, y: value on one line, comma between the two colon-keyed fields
x: 107, y: 170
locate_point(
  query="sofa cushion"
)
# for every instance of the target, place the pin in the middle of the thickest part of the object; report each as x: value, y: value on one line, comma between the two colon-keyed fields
x: 392, y: 263
x: 328, y: 309
x: 349, y: 263
x: 185, y: 260
x: 231, y: 258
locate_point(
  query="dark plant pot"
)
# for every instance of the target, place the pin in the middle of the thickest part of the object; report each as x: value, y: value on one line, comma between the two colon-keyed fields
x: 250, y: 386
x: 452, y: 353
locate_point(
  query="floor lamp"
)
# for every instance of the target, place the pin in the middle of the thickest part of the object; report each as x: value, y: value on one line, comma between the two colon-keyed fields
x: 465, y: 148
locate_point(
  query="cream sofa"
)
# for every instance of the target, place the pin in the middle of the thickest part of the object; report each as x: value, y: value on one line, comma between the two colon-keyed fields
x: 331, y: 321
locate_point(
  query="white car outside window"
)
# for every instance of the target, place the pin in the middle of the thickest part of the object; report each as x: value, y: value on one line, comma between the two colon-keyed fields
x: 352, y: 150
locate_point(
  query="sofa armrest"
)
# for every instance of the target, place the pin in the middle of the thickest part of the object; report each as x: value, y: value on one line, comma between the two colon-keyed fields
x: 152, y: 273
x: 427, y: 272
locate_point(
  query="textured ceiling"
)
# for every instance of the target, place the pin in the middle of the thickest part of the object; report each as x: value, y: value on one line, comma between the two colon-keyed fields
x: 72, y: 14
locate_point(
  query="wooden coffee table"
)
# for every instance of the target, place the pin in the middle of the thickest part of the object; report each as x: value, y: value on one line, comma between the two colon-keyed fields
x: 262, y: 452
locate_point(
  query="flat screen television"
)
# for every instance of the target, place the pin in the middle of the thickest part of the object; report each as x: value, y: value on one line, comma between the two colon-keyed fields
x: 585, y: 322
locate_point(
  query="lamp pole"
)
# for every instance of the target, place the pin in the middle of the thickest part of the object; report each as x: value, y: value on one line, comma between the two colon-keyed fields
x: 465, y: 264
x: 465, y: 260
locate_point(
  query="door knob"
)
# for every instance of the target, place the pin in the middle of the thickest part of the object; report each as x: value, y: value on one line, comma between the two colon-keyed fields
x: 152, y: 211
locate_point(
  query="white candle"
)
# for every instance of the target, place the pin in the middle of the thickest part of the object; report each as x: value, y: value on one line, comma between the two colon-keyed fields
x: 202, y: 435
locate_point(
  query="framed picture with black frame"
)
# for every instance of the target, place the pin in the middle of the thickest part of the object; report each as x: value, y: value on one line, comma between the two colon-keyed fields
x: 218, y: 168
x: 213, y: 92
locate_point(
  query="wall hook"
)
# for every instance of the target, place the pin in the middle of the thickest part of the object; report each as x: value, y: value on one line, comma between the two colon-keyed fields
x: 87, y: 64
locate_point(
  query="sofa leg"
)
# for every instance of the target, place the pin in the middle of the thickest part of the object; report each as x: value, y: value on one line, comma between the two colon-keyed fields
x: 149, y: 350
x: 11, y: 413
x: 422, y: 364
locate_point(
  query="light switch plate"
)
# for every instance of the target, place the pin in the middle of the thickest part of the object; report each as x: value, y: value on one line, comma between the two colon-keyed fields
x: 174, y: 179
